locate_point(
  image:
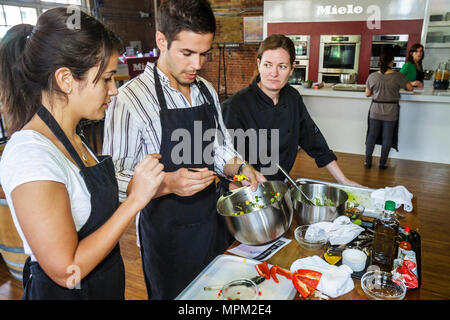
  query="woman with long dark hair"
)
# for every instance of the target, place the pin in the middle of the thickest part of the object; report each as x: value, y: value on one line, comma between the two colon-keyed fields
x: 412, y: 68
x: 384, y: 86
x: 63, y: 197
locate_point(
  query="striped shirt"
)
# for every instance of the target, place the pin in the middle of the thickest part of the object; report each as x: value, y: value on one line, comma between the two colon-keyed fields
x: 133, y: 126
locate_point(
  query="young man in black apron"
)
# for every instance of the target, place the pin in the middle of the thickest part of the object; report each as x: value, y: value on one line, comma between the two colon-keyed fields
x: 179, y: 231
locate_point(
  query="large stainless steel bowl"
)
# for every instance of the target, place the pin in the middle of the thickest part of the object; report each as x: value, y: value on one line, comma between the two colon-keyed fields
x: 259, y: 225
x: 309, y: 214
x: 348, y: 78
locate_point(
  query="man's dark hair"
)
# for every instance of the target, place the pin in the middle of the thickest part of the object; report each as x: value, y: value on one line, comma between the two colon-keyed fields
x: 175, y: 16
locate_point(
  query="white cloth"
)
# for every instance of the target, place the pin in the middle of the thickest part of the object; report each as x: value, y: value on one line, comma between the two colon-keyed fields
x: 335, y: 281
x: 340, y: 231
x: 399, y: 194
x: 30, y: 156
x: 133, y: 126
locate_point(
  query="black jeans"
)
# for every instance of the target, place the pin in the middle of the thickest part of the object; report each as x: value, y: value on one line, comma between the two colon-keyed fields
x: 375, y: 128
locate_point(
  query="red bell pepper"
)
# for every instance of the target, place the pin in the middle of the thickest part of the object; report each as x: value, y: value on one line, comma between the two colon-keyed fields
x: 284, y: 273
x: 304, y: 290
x: 311, y: 274
x: 306, y: 281
x: 263, y: 270
x: 273, y: 273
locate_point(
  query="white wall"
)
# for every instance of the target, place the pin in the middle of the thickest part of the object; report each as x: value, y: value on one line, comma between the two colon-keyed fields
x: 435, y: 55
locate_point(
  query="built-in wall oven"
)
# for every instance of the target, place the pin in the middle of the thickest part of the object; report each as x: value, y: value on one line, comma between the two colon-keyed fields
x: 398, y: 43
x: 300, y: 73
x: 338, y: 54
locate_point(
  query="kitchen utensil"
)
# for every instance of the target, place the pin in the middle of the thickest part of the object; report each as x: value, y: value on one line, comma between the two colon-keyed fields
x: 243, y: 289
x: 378, y: 285
x: 348, y: 78
x: 308, y: 214
x: 355, y: 259
x: 225, y: 268
x: 427, y: 74
x: 265, y: 220
x: 294, y: 184
x: 257, y: 280
x: 215, y: 174
x: 300, y: 235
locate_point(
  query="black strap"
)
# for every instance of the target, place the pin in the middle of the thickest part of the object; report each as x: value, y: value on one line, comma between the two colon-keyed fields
x: 385, y: 102
x: 159, y: 90
x: 53, y: 125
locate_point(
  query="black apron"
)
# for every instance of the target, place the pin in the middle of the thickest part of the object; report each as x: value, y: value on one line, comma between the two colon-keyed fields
x: 379, y: 139
x: 179, y: 236
x: 107, y: 280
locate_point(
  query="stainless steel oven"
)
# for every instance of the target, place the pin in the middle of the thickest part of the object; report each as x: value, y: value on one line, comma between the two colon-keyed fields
x: 338, y: 54
x: 300, y: 73
x: 301, y: 46
x: 398, y: 43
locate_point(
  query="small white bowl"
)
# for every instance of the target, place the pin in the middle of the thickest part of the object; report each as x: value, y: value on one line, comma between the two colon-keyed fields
x: 355, y: 259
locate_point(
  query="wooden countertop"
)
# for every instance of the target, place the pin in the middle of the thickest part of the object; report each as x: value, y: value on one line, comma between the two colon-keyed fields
x: 293, y: 251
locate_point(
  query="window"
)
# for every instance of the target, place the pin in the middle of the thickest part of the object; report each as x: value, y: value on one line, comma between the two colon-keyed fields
x: 27, y: 11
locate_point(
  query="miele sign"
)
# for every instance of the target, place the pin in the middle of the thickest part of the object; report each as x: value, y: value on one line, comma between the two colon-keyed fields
x: 342, y: 10
x: 348, y: 9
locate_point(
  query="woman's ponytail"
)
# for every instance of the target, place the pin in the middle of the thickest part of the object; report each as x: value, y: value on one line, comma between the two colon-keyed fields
x: 386, y: 57
x: 30, y: 56
x: 19, y: 99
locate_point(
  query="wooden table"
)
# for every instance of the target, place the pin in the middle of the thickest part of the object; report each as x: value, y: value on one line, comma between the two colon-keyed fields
x: 293, y: 251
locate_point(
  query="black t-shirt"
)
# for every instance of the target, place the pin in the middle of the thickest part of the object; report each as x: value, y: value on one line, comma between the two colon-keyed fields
x: 251, y: 108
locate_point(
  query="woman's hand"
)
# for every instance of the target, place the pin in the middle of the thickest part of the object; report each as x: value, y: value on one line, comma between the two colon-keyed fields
x: 148, y: 175
x: 349, y: 182
x: 417, y: 84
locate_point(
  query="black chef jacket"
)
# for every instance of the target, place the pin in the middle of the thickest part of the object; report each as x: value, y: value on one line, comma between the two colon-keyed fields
x: 252, y: 108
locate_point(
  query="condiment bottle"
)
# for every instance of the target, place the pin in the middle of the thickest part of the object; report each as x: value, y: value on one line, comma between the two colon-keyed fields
x: 385, y: 234
x: 405, y: 244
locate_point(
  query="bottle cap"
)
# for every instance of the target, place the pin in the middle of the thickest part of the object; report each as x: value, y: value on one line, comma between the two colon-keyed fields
x: 407, y: 229
x: 389, y: 205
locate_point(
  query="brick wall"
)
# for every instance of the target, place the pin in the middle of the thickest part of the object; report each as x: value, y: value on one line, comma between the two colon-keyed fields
x: 124, y: 19
x: 240, y: 63
x: 240, y: 67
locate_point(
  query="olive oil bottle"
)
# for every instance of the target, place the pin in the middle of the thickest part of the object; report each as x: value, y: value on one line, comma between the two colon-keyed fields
x: 385, y: 234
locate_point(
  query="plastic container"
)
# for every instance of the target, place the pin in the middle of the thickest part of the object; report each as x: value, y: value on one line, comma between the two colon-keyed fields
x: 355, y: 259
x: 378, y: 285
x: 300, y: 236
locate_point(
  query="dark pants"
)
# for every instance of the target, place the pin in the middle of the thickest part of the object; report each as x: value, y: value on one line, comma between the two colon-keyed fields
x: 375, y: 128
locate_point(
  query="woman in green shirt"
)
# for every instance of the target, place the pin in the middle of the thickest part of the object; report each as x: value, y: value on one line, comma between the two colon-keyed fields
x: 412, y: 69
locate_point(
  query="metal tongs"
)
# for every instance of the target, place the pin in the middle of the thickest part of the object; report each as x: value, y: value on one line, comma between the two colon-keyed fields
x: 295, y: 184
x: 257, y: 280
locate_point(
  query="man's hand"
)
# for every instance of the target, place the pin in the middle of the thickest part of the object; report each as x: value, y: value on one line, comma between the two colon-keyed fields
x: 186, y: 183
x: 254, y: 177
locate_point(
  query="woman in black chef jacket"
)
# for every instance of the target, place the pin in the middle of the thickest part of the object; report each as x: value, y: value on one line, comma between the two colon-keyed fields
x: 64, y: 198
x: 269, y: 102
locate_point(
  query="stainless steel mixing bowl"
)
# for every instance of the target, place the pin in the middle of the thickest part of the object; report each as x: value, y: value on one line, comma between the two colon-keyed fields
x: 309, y: 214
x: 257, y: 225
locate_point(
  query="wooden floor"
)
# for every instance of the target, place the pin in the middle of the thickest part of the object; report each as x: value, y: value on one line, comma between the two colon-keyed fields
x: 428, y: 182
